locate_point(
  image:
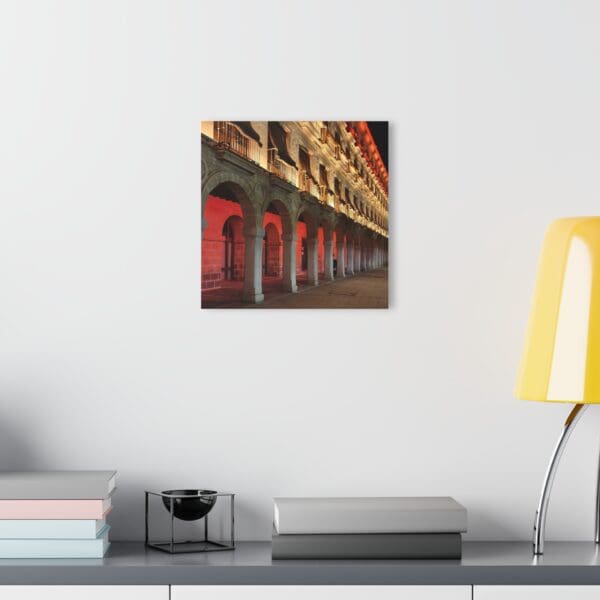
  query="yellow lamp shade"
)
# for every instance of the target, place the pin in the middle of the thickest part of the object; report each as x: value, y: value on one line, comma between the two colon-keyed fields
x: 561, y: 359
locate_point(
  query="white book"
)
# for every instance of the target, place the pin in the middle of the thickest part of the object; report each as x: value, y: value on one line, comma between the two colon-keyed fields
x: 56, y: 485
x: 369, y: 515
x: 50, y: 529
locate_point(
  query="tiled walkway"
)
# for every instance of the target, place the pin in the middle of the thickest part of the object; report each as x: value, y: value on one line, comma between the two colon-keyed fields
x: 365, y: 290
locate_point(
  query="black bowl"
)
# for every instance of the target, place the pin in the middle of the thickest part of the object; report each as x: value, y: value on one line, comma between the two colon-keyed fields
x: 190, y: 509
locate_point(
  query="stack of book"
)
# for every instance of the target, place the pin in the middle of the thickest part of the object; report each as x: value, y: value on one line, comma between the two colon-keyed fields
x: 368, y: 528
x: 55, y: 514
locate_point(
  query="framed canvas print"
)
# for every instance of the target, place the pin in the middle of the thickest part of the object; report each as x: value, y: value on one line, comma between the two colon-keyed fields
x: 294, y: 214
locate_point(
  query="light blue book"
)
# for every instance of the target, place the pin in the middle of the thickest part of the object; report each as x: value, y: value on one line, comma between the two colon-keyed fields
x: 93, y: 548
x: 51, y: 529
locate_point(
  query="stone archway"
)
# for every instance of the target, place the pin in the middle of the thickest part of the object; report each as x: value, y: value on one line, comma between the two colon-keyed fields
x: 340, y: 250
x: 235, y: 187
x: 307, y: 263
x: 281, y: 211
x: 272, y: 261
x: 226, y: 195
x: 232, y: 252
x: 326, y: 249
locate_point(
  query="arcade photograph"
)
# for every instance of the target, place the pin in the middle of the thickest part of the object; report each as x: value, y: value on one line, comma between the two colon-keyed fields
x: 294, y: 214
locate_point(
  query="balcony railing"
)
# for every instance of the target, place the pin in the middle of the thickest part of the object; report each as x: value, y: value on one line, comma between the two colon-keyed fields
x: 281, y: 168
x: 306, y: 183
x: 338, y: 204
x: 323, y: 194
x: 228, y: 134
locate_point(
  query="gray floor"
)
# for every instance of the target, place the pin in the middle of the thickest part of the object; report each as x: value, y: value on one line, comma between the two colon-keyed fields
x: 364, y: 290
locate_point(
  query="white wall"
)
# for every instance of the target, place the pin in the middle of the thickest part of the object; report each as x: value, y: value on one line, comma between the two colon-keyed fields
x: 107, y: 360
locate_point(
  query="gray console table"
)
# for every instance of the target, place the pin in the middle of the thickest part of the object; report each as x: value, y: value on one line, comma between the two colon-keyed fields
x: 484, y: 563
x: 487, y: 571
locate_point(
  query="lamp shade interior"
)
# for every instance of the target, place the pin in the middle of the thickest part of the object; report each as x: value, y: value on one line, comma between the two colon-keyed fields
x: 561, y: 357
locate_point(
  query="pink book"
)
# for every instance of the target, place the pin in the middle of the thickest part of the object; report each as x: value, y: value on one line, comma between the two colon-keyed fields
x: 54, y: 509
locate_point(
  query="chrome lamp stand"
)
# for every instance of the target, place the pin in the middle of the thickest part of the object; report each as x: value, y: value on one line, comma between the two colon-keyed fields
x: 540, y: 515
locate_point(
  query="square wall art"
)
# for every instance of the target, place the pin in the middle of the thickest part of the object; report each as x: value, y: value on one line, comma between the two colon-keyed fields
x: 294, y: 214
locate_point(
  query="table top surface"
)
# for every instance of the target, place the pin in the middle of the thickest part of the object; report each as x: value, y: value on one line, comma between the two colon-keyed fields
x: 484, y: 563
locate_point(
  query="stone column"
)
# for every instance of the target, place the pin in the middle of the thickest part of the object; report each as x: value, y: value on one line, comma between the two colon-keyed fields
x: 341, y: 263
x: 289, y: 262
x: 350, y: 258
x: 312, y: 247
x: 357, y: 252
x: 253, y: 238
x: 329, y: 259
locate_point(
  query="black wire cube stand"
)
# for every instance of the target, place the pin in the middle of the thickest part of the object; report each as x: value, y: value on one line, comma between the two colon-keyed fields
x: 175, y: 546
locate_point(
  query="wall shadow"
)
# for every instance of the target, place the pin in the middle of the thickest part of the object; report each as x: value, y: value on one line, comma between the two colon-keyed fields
x: 16, y: 452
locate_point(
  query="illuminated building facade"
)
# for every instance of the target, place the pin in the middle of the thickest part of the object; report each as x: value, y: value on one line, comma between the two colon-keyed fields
x: 290, y: 202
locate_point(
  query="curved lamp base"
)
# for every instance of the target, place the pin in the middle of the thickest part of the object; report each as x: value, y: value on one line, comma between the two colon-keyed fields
x: 540, y: 515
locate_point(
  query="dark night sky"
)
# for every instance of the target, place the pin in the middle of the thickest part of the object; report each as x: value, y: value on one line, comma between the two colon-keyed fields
x: 379, y: 129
